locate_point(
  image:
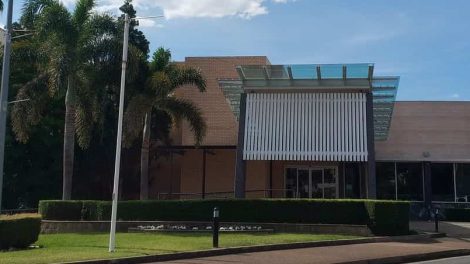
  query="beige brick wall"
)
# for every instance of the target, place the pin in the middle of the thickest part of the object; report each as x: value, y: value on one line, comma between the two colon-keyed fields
x: 440, y: 128
x: 221, y: 123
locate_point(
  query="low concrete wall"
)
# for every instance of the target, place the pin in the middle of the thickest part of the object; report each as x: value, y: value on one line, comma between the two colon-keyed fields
x: 51, y: 227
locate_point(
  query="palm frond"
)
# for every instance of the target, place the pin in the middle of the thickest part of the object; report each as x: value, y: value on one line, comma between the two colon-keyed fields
x: 83, y: 123
x: 135, y: 59
x: 56, y: 64
x: 26, y: 115
x: 31, y: 10
x: 82, y: 12
x: 184, y: 109
x: 160, y: 84
x: 134, y: 116
x: 185, y: 75
x: 57, y: 20
x: 160, y: 59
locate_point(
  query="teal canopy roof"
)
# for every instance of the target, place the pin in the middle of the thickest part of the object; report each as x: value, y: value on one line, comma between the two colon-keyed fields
x: 307, y: 71
x: 306, y: 76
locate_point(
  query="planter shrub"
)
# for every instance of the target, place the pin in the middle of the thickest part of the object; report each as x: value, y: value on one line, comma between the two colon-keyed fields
x: 388, y: 217
x: 19, y: 231
x: 383, y: 217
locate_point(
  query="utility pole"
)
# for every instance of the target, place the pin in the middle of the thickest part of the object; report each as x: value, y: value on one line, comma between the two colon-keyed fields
x: 117, y: 164
x: 4, y: 92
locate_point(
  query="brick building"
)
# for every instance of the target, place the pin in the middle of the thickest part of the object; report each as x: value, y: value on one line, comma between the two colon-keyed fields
x: 320, y: 131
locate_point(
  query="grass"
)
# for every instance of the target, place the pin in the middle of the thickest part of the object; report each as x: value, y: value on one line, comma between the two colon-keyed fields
x: 55, y: 248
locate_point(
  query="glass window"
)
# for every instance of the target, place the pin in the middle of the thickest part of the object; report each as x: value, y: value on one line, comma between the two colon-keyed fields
x: 291, y: 182
x: 462, y: 178
x: 410, y: 181
x: 442, y: 180
x: 352, y: 180
x: 385, y: 174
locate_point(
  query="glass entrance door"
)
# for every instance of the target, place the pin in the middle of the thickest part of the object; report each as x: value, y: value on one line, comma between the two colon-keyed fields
x: 303, y: 183
x: 317, y: 182
x: 329, y: 183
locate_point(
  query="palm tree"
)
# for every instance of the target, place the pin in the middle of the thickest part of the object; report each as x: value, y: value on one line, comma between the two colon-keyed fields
x: 75, y: 48
x: 158, y: 99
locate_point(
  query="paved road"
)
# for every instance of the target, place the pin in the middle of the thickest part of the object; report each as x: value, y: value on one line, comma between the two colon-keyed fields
x: 335, y: 254
x: 452, y: 229
x: 459, y: 260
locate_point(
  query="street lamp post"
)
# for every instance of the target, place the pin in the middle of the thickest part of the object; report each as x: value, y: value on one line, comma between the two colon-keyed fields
x: 4, y: 92
x: 117, y: 164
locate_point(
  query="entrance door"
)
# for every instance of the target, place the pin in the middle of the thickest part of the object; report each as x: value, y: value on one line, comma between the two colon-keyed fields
x: 303, y: 183
x: 330, y: 183
x: 315, y: 182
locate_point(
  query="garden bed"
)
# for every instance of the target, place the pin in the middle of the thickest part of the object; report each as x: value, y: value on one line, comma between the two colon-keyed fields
x: 382, y: 217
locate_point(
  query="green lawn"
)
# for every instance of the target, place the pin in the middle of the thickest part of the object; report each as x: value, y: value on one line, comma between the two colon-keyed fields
x: 73, y: 247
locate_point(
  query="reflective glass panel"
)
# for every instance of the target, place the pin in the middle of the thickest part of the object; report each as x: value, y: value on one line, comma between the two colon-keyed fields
x: 333, y: 71
x: 291, y: 182
x: 304, y: 183
x: 317, y: 180
x: 352, y: 180
x: 462, y: 178
x: 410, y: 181
x: 442, y: 180
x: 329, y: 183
x: 355, y: 71
x: 304, y: 71
x: 385, y: 174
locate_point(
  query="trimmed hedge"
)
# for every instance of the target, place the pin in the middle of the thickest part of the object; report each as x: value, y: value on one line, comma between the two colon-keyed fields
x: 389, y: 217
x: 458, y: 214
x: 383, y: 217
x: 19, y: 231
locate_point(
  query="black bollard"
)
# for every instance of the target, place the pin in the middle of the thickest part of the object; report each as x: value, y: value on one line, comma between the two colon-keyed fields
x: 215, y: 228
x: 436, y: 220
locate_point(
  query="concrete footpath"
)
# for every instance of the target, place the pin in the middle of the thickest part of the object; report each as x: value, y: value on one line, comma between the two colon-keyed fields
x: 388, y: 252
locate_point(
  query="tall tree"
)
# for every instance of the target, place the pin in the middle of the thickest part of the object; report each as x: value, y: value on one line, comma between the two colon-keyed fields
x: 76, y: 49
x: 158, y: 99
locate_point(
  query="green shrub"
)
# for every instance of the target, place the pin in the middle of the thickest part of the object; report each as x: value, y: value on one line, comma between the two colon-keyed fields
x: 19, y: 231
x: 388, y: 217
x: 458, y: 214
x: 384, y: 217
x: 60, y: 210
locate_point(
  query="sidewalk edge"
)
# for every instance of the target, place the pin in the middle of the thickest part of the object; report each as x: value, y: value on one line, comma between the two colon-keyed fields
x: 258, y: 248
x: 413, y: 258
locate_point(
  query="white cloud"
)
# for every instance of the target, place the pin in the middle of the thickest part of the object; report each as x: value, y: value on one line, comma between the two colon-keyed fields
x: 148, y: 23
x: 455, y: 96
x: 196, y: 8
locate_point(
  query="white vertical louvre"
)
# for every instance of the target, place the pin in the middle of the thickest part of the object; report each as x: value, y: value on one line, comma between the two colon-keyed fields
x: 306, y: 126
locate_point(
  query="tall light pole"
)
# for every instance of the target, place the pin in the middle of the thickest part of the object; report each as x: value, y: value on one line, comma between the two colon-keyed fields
x: 117, y: 164
x: 4, y: 92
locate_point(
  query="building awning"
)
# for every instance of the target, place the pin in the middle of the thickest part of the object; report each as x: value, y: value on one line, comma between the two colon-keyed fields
x: 317, y: 77
x: 306, y: 76
x: 384, y: 91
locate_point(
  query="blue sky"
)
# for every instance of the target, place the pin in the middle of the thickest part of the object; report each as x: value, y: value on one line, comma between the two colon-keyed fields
x: 426, y: 42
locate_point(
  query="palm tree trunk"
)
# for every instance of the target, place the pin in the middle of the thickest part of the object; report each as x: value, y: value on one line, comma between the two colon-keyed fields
x: 144, y: 159
x: 69, y: 142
